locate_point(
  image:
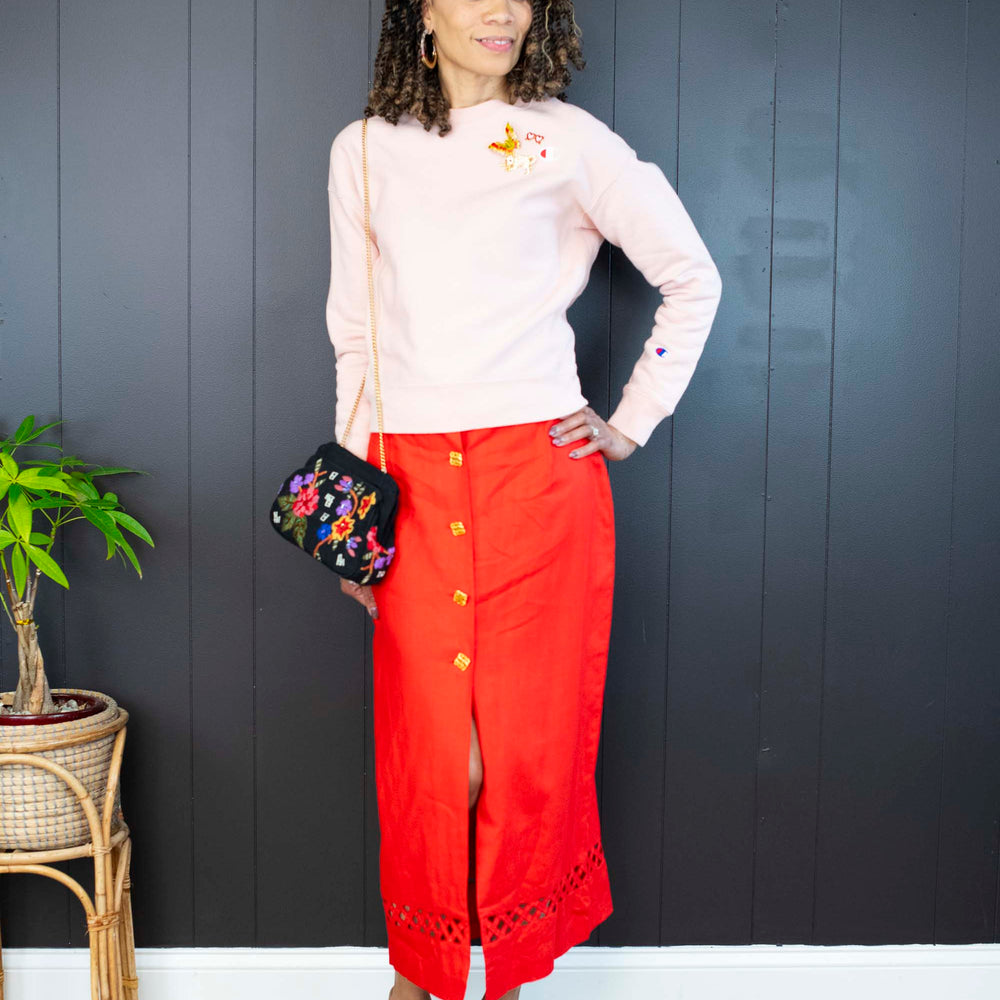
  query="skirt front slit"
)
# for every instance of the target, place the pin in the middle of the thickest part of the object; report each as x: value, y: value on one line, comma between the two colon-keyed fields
x: 497, y: 604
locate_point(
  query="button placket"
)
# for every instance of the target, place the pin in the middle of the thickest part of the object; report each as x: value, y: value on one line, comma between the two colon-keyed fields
x: 459, y: 597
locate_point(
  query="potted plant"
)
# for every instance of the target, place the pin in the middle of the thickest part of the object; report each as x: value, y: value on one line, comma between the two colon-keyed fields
x: 38, y: 497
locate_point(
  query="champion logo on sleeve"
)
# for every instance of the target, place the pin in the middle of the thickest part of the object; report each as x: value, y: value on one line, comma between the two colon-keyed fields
x: 661, y: 351
x: 513, y: 156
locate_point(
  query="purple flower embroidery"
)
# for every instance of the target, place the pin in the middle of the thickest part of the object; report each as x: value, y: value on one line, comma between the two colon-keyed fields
x: 296, y: 484
x: 385, y: 559
x: 343, y: 484
x: 344, y: 507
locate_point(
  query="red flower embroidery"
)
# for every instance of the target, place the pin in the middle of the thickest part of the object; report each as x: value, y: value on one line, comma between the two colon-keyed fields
x: 306, y: 501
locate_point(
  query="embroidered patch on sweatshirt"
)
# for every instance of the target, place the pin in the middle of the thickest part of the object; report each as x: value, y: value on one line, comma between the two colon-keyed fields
x: 510, y: 148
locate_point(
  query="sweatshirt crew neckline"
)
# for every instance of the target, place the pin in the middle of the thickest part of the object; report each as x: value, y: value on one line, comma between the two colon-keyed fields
x: 490, y: 101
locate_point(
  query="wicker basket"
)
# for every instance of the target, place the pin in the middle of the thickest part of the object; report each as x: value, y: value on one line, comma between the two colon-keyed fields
x: 38, y: 811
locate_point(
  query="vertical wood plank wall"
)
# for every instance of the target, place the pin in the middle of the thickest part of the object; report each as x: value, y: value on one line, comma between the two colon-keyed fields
x: 801, y: 739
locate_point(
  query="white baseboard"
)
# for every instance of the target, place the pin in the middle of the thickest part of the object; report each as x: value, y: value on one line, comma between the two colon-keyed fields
x: 755, y: 972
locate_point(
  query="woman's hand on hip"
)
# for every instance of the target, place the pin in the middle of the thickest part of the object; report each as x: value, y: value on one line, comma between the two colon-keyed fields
x: 362, y: 593
x: 578, y: 429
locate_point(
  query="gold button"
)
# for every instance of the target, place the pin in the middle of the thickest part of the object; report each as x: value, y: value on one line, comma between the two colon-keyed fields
x: 461, y: 661
x: 457, y: 528
x: 460, y: 597
x: 455, y: 457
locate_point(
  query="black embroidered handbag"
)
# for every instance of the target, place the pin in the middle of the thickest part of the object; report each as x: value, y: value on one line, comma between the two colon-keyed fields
x: 338, y: 507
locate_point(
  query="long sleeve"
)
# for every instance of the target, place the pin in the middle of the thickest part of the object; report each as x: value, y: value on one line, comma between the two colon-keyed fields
x: 633, y: 205
x: 347, y: 304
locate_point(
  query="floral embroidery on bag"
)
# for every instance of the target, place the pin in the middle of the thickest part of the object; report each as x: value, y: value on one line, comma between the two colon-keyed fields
x: 303, y: 499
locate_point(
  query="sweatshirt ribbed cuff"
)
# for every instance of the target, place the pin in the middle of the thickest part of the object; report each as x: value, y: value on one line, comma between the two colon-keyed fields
x: 637, y: 415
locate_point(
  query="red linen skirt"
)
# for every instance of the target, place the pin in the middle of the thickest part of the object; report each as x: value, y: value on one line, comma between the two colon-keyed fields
x: 497, y: 604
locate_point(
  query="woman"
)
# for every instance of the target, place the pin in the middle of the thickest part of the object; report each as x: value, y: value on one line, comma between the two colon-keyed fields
x: 492, y: 626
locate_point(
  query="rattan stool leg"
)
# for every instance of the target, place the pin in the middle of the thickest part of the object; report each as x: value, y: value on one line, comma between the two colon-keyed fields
x: 1, y: 967
x: 121, y: 858
x: 103, y: 923
x: 95, y: 967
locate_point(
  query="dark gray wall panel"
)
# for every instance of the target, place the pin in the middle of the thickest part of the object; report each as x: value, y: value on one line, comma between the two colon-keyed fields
x: 124, y: 293
x: 798, y: 433
x: 31, y: 913
x: 311, y: 640
x: 892, y: 456
x: 966, y: 906
x: 718, y: 476
x: 221, y: 478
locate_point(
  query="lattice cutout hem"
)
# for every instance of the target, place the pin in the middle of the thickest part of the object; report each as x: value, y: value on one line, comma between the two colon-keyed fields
x: 499, y: 925
x: 437, y: 926
x: 455, y: 930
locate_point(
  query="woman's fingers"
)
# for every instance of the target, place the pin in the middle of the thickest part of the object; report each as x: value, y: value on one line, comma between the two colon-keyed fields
x: 576, y: 428
x: 362, y: 593
x: 574, y: 422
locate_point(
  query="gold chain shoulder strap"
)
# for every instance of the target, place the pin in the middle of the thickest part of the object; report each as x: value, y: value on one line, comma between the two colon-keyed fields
x: 371, y: 302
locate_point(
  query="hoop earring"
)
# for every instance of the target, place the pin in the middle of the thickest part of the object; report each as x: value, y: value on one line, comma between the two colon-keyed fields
x: 423, y: 57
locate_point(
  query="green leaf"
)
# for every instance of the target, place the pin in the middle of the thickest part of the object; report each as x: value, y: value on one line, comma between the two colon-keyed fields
x: 47, y: 470
x: 87, y: 489
x: 40, y: 538
x: 6, y: 538
x: 20, y: 566
x: 49, y: 502
x: 47, y: 565
x: 34, y: 432
x: 9, y: 465
x: 100, y: 519
x: 25, y: 429
x: 111, y: 470
x: 127, y: 549
x: 19, y: 514
x: 34, y: 480
x: 110, y: 497
x: 127, y: 521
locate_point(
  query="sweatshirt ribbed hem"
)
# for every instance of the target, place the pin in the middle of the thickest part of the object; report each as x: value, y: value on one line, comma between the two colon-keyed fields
x: 432, y: 409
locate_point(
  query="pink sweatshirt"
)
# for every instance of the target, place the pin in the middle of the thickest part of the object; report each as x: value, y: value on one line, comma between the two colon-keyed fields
x: 482, y: 239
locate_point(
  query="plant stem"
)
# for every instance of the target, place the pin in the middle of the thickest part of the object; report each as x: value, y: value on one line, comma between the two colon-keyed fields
x: 32, y: 694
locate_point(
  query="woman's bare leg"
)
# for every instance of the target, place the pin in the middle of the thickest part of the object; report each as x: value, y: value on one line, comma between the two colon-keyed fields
x: 403, y: 989
x: 475, y: 783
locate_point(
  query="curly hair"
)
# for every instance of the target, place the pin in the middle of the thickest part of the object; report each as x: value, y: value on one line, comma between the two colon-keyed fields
x: 404, y: 85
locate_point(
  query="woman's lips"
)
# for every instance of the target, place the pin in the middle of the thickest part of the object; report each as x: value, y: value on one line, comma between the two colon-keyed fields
x: 496, y: 46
